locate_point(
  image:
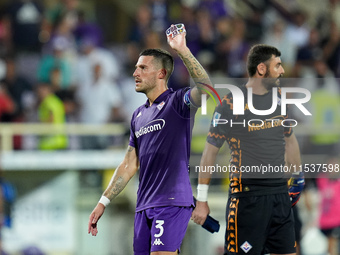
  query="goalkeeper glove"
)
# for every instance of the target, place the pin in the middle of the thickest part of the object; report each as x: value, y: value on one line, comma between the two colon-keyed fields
x: 295, y: 186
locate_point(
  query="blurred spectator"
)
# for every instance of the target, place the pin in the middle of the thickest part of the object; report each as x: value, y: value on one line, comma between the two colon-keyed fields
x: 329, y: 219
x: 331, y: 49
x: 223, y: 32
x: 141, y: 24
x: 62, y: 34
x: 307, y: 54
x: 92, y: 55
x: 188, y: 18
x: 7, y: 106
x: 326, y: 14
x: 5, y: 39
x: 325, y: 107
x: 206, y: 37
x: 129, y: 95
x: 32, y: 250
x: 70, y: 105
x: 254, y: 26
x: 20, y: 91
x: 276, y: 37
x: 237, y: 49
x: 55, y: 61
x: 2, y: 69
x: 100, y: 102
x: 25, y: 19
x: 152, y: 41
x: 56, y: 79
x: 65, y: 10
x: 18, y: 88
x: 127, y: 81
x: 8, y: 196
x: 131, y: 55
x: 159, y: 15
x: 298, y: 30
x: 51, y: 110
x: 85, y: 29
x: 216, y: 8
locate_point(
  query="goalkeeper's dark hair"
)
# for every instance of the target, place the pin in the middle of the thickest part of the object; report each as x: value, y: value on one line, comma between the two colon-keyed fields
x: 258, y: 54
x: 163, y: 57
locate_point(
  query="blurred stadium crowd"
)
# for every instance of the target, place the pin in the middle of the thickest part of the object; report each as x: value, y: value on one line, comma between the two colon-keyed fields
x: 57, y: 63
x: 63, y: 62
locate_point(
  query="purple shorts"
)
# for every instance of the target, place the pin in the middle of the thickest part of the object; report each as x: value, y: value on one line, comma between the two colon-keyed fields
x: 160, y: 229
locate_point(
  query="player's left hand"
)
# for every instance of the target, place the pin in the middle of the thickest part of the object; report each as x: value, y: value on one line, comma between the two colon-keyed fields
x: 200, y: 213
x: 94, y: 218
x: 296, y: 184
x: 178, y: 42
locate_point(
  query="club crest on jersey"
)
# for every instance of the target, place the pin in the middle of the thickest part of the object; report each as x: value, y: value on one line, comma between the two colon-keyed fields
x: 246, y: 247
x: 160, y: 106
x: 217, y: 116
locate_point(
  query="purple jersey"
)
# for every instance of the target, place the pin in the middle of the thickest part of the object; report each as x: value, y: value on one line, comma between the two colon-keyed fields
x: 161, y: 135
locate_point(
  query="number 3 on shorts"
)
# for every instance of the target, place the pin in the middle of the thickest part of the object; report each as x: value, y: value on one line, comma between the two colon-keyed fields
x: 161, y: 229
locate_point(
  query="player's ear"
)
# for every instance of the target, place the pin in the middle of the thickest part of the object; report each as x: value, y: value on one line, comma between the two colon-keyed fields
x: 162, y: 73
x: 261, y: 69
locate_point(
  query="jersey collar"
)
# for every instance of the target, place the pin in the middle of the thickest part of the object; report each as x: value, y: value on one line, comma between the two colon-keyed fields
x: 160, y: 98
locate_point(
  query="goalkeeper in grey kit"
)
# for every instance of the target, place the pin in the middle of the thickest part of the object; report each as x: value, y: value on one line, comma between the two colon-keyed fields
x: 258, y: 214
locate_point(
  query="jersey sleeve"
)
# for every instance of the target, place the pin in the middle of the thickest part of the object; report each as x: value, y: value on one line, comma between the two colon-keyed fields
x: 184, y: 104
x: 132, y: 139
x: 220, y: 123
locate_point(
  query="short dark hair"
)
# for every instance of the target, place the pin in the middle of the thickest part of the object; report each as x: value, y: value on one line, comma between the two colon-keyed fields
x: 258, y: 54
x: 164, y: 58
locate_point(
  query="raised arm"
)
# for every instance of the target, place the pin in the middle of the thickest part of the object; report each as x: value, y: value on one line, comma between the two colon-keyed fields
x: 202, y: 210
x: 124, y: 172
x: 195, y: 69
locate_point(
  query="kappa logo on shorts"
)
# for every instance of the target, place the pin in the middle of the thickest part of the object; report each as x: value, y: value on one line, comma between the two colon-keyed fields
x: 246, y: 247
x: 158, y: 242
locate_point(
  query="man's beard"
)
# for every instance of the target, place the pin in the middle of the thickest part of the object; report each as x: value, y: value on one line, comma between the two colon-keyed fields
x: 270, y: 82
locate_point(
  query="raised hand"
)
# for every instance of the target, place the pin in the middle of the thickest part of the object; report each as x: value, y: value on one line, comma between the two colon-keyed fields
x: 177, y: 40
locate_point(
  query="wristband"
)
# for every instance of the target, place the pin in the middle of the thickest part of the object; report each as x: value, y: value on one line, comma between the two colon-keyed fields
x: 202, y: 192
x: 104, y: 200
